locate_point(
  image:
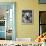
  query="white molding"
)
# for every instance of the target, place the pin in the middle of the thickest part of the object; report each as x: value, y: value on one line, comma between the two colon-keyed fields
x: 24, y: 39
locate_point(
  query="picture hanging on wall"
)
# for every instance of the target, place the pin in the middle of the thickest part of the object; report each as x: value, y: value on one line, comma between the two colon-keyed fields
x: 27, y: 16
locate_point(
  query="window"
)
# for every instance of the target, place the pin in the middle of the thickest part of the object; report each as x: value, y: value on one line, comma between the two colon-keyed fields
x: 42, y: 1
x: 42, y: 22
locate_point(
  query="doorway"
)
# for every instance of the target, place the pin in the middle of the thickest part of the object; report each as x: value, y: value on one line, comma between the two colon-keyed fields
x: 7, y: 21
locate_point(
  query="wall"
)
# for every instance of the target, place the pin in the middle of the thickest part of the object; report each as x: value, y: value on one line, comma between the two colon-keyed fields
x: 28, y: 30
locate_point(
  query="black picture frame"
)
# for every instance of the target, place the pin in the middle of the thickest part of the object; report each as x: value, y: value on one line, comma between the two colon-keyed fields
x: 27, y: 16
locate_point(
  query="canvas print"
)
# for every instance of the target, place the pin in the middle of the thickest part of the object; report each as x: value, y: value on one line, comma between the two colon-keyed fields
x: 27, y: 16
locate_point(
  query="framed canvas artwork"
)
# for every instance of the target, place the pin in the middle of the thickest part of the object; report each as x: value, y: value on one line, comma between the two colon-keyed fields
x: 26, y: 16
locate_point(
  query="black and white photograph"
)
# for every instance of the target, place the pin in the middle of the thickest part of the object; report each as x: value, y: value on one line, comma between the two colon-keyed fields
x: 26, y: 16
